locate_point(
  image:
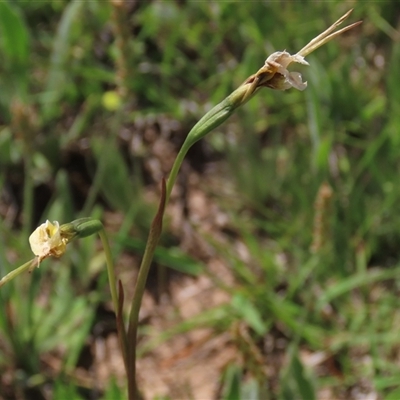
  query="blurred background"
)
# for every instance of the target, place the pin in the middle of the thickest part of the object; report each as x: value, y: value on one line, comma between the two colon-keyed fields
x: 277, y: 275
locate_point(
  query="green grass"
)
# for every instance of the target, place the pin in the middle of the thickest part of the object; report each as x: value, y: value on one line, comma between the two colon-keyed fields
x: 64, y: 155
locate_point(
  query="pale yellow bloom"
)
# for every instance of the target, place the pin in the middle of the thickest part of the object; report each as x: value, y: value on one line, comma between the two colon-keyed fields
x: 47, y: 241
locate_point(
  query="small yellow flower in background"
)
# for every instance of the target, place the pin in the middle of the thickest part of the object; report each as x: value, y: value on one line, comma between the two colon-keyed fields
x: 47, y: 241
x: 111, y: 100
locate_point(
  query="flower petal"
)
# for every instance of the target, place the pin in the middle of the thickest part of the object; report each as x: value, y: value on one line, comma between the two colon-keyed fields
x: 46, y: 240
x: 295, y: 80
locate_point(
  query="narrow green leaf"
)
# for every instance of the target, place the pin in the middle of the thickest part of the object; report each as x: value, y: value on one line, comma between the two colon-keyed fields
x: 173, y: 257
x: 250, y: 390
x: 287, y: 392
x: 304, y: 386
x: 249, y: 313
x: 355, y: 281
x: 232, y: 383
x: 113, y: 176
x: 63, y: 390
x: 58, y: 72
x: 113, y: 391
x: 14, y: 34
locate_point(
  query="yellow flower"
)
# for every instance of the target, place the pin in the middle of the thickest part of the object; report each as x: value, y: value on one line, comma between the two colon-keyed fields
x: 47, y: 241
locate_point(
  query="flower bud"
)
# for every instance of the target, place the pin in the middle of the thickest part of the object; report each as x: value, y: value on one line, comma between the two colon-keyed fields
x: 81, y: 228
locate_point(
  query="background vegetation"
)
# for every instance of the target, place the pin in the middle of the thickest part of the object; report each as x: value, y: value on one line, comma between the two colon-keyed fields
x: 296, y: 196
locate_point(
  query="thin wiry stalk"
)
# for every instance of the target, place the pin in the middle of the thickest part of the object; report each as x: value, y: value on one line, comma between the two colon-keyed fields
x: 326, y: 36
x: 28, y: 266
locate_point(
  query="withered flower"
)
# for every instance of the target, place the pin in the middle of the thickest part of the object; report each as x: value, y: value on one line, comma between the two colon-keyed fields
x: 275, y: 74
x: 51, y: 239
x: 283, y: 79
x: 46, y: 240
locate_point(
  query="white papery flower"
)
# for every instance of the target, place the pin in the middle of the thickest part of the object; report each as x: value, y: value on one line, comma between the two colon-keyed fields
x: 284, y: 79
x: 46, y: 240
x: 275, y: 74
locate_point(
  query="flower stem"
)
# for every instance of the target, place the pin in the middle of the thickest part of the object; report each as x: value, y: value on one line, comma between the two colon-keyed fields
x: 113, y: 289
x: 215, y: 117
x: 211, y: 120
x: 175, y: 168
x: 152, y: 241
x: 28, y: 266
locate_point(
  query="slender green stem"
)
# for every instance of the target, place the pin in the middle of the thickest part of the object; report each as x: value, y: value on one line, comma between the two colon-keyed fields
x: 211, y: 120
x: 152, y: 241
x: 28, y: 266
x: 141, y: 281
x: 114, y: 296
x: 176, y: 167
x: 215, y: 117
x: 134, y: 314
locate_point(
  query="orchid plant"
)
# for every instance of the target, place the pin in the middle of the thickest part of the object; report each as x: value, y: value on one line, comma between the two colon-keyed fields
x: 51, y: 239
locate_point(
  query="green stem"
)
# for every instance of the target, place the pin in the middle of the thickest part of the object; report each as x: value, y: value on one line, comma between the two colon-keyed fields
x: 28, y: 266
x: 113, y: 289
x: 134, y: 315
x: 215, y: 117
x: 176, y: 167
x: 211, y: 120
x: 152, y: 241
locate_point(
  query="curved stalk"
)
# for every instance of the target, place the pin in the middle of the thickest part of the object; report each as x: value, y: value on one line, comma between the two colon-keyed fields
x: 28, y: 266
